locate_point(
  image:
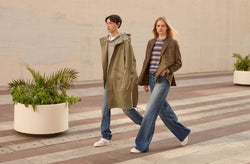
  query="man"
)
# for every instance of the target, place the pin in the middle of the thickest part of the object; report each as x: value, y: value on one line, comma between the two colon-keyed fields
x: 120, y: 77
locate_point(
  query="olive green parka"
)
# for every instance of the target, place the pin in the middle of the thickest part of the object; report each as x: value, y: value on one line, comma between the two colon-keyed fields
x: 120, y: 74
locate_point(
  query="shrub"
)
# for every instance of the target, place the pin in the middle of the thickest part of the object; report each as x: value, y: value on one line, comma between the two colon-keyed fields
x: 241, y: 64
x: 44, y: 89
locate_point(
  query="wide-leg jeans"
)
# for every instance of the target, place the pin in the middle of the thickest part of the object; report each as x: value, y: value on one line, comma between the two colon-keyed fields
x: 157, y: 105
x: 133, y: 114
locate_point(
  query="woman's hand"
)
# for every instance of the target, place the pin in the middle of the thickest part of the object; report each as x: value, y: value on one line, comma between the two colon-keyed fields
x: 163, y: 73
x: 146, y: 88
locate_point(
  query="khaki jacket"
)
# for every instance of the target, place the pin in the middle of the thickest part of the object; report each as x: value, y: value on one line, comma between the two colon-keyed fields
x: 120, y: 74
x: 170, y: 59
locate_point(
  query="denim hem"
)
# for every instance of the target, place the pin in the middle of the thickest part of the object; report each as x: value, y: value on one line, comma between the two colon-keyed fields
x: 107, y: 137
x: 186, y: 135
x: 144, y: 151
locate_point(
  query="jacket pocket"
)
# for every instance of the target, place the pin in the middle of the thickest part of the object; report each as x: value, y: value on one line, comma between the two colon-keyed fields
x: 117, y: 74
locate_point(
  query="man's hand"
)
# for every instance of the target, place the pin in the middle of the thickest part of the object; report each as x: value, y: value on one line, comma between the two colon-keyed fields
x: 146, y: 88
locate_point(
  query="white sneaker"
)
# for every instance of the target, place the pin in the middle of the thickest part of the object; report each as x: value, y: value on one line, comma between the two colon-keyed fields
x: 134, y: 150
x: 184, y: 142
x: 102, y: 142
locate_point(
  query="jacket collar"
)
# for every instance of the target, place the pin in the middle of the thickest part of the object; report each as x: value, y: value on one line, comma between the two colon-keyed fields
x: 121, y: 38
x: 164, y: 46
x: 152, y: 42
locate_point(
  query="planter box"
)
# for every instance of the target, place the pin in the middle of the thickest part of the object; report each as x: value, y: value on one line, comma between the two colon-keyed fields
x: 242, y: 77
x: 46, y: 119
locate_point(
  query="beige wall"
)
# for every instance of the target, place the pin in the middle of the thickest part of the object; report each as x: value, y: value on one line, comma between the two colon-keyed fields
x: 48, y: 34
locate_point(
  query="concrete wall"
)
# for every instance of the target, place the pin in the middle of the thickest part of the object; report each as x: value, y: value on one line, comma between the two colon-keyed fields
x: 48, y: 35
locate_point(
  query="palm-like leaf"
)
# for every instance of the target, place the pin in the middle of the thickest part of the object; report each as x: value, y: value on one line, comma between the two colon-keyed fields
x: 15, y: 83
x: 19, y: 82
x: 242, y: 64
x: 38, y: 79
x: 63, y: 78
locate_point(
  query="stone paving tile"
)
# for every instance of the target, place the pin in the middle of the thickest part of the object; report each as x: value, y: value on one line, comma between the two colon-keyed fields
x: 24, y: 146
x: 4, y: 150
x: 56, y: 140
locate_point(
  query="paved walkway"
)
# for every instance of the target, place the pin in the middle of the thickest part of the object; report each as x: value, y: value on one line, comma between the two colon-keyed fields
x: 216, y: 110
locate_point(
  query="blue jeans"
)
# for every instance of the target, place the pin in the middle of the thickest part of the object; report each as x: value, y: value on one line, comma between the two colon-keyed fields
x: 157, y: 105
x: 135, y: 116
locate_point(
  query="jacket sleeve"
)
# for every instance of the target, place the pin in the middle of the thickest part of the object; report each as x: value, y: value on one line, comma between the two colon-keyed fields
x: 129, y: 62
x: 178, y: 63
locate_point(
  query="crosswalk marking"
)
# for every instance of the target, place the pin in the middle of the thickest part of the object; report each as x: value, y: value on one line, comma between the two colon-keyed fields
x: 95, y: 114
x: 127, y: 120
x: 116, y: 145
x: 128, y: 128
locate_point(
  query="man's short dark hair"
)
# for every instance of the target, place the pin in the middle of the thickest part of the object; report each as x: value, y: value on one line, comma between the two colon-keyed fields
x: 114, y: 18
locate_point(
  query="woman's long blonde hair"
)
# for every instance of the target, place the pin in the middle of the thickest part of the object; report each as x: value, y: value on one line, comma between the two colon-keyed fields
x: 170, y: 29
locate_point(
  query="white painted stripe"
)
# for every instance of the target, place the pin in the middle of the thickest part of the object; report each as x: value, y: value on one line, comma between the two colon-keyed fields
x: 6, y: 125
x: 11, y: 138
x: 204, y: 81
x: 201, y: 99
x: 214, y: 113
x: 205, y: 74
x: 239, y: 157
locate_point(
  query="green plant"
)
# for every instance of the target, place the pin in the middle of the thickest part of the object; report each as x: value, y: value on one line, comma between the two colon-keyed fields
x: 242, y: 64
x: 44, y: 89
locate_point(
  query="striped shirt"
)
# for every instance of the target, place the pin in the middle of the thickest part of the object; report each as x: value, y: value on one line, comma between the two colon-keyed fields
x: 156, y: 55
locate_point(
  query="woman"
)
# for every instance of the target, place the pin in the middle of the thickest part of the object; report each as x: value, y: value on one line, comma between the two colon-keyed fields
x: 120, y: 77
x: 162, y: 59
